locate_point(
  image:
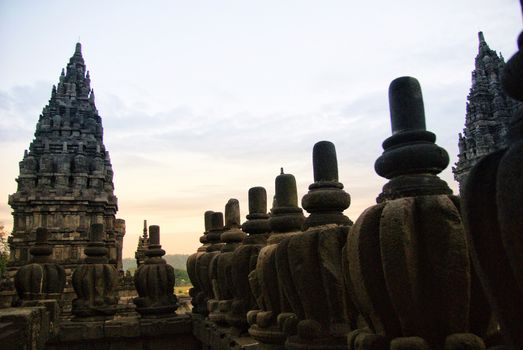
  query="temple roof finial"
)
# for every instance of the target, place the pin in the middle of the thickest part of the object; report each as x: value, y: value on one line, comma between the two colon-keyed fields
x: 481, y: 37
x: 281, y: 171
x: 78, y: 49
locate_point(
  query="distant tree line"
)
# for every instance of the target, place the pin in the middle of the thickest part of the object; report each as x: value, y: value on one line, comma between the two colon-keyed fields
x: 177, y: 261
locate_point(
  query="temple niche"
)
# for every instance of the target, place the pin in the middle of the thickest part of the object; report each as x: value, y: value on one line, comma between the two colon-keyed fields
x: 66, y: 177
x: 488, y: 112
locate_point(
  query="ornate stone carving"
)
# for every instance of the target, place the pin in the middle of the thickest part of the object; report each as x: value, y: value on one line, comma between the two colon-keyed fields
x: 95, y: 281
x: 203, y: 263
x: 267, y: 323
x: 488, y: 114
x: 62, y: 185
x: 42, y: 278
x: 310, y: 263
x: 491, y: 201
x: 143, y: 244
x: 154, y: 281
x: 222, y: 263
x: 409, y: 270
x: 196, y: 292
x: 245, y: 258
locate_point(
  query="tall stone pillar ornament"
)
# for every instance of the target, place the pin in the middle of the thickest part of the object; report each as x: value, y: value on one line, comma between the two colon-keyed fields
x: 95, y: 281
x: 196, y: 292
x: 267, y: 323
x: 221, y: 264
x: 245, y: 258
x: 409, y: 270
x: 42, y: 278
x: 154, y: 281
x: 310, y: 264
x: 203, y: 263
x: 491, y: 202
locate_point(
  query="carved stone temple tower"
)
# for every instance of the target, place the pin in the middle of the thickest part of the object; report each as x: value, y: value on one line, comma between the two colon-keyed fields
x: 66, y: 178
x: 488, y: 112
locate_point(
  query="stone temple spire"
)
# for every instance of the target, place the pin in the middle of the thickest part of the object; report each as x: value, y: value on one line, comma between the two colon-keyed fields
x: 66, y: 177
x: 488, y: 111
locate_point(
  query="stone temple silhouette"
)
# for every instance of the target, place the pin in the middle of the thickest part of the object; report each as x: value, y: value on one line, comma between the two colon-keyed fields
x: 66, y: 178
x: 422, y: 269
x: 488, y: 114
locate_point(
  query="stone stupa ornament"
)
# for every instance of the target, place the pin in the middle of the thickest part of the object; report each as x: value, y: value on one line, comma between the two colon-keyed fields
x: 42, y: 278
x: 245, y: 258
x: 409, y: 269
x: 203, y: 263
x: 196, y: 292
x: 221, y: 264
x: 322, y: 311
x: 268, y: 322
x: 95, y: 280
x: 491, y: 203
x: 154, y: 281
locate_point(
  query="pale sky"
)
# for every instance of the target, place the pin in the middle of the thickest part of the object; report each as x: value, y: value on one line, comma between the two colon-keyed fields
x: 201, y: 100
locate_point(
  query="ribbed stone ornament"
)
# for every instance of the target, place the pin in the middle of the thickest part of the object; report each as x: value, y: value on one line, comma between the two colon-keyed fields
x: 245, y: 258
x: 323, y: 314
x: 408, y: 268
x: 42, y: 278
x: 154, y: 281
x: 203, y: 263
x: 95, y: 281
x: 268, y: 322
x: 221, y: 265
x: 196, y: 292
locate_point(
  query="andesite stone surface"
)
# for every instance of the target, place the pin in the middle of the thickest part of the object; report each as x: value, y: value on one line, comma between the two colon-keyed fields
x: 409, y: 270
x: 154, y: 281
x: 66, y: 177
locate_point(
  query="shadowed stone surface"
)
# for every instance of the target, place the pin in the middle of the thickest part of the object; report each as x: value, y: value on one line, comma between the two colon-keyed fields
x: 407, y: 257
x: 203, y: 263
x: 95, y: 281
x: 196, y: 292
x: 66, y: 177
x: 491, y: 203
x: 154, y: 281
x: 310, y: 263
x: 42, y: 278
x: 267, y: 323
x: 221, y: 264
x: 245, y: 258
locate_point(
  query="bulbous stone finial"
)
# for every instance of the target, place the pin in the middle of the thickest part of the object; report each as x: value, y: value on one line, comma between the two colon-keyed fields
x: 286, y: 215
x: 154, y: 281
x: 42, y: 278
x: 41, y: 251
x: 216, y: 227
x: 257, y: 200
x: 512, y: 78
x: 96, y: 250
x: 95, y: 281
x: 324, y: 161
x: 207, y: 220
x: 286, y: 193
x: 232, y: 214
x: 326, y: 199
x: 233, y: 232
x: 155, y: 249
x: 257, y: 219
x: 410, y: 159
x: 406, y: 105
